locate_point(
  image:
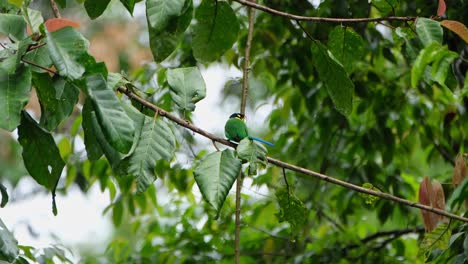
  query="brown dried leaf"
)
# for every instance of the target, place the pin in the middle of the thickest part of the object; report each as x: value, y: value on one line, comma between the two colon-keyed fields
x: 457, y: 28
x: 438, y: 200
x: 424, y: 198
x: 441, y: 8
x: 459, y: 170
x: 55, y: 24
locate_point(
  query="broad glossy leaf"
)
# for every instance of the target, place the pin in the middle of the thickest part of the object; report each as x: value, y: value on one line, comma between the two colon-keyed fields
x: 57, y: 98
x: 215, y: 175
x: 215, y: 31
x: 385, y: 6
x: 156, y: 142
x: 459, y: 194
x: 129, y: 5
x: 165, y: 37
x: 442, y: 65
x: 187, y: 87
x: 331, y: 73
x: 429, y: 31
x: 40, y: 153
x: 33, y: 19
x: 8, y: 244
x: 159, y: 13
x: 116, y: 126
x: 425, y: 57
x: 292, y: 209
x: 14, y: 95
x: 13, y: 26
x: 39, y: 56
x: 457, y: 28
x: 66, y: 46
x: 254, y: 153
x: 95, y: 8
x: 347, y: 47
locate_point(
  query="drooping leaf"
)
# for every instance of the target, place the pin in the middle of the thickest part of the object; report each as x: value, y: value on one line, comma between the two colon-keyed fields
x: 386, y: 6
x: 95, y: 8
x: 254, y: 153
x: 347, y: 46
x: 292, y: 209
x: 40, y: 153
x: 8, y: 244
x: 442, y: 66
x: 117, y: 213
x: 129, y: 5
x: 4, y: 193
x: 459, y: 194
x: 215, y: 175
x: 13, y: 26
x: 215, y: 32
x: 331, y: 73
x: 431, y: 194
x: 156, y: 142
x: 460, y: 171
x: 14, y: 95
x: 116, y: 126
x: 57, y: 98
x: 429, y: 31
x: 441, y: 8
x: 166, y: 32
x: 457, y: 28
x: 66, y: 46
x: 187, y: 87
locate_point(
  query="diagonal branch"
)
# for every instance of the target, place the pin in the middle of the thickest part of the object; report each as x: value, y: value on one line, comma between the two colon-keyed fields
x: 322, y: 19
x: 288, y: 166
x: 55, y: 9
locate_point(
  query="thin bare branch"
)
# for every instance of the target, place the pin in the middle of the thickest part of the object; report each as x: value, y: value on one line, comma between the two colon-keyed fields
x: 55, y: 9
x: 288, y: 166
x: 322, y: 19
x: 238, y: 222
x: 246, y: 68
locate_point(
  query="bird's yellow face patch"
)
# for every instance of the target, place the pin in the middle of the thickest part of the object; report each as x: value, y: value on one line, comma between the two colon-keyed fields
x: 238, y: 116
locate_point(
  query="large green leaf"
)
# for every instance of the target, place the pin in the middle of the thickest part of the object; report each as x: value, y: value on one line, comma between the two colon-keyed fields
x: 216, y: 30
x: 33, y: 18
x: 66, y: 46
x: 331, y: 73
x: 215, y: 176
x: 39, y: 56
x: 252, y: 152
x: 14, y: 95
x: 91, y: 137
x: 40, y: 153
x: 57, y: 98
x: 129, y: 5
x: 429, y: 31
x: 156, y: 142
x: 8, y: 244
x: 13, y: 26
x: 385, y: 6
x: 347, y: 47
x: 116, y: 126
x: 165, y: 31
x: 291, y: 210
x: 95, y: 8
x: 442, y: 65
x: 187, y: 87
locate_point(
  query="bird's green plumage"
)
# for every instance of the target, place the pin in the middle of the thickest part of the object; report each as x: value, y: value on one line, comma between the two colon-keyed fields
x: 235, y: 129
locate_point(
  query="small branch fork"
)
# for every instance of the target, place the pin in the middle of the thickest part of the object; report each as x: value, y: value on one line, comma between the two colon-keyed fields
x: 321, y: 19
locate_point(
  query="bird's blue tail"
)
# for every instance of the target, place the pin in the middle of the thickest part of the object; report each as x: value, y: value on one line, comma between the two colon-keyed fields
x: 262, y: 141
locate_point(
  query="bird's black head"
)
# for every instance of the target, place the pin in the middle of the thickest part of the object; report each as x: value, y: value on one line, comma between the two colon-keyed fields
x: 238, y: 115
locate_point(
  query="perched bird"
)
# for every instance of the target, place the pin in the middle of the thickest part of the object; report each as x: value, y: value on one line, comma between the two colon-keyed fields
x: 236, y: 130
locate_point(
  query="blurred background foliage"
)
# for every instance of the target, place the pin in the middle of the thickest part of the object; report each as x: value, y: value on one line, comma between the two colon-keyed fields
x: 395, y: 136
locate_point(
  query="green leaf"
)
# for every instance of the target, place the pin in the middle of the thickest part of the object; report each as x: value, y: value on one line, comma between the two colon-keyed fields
x: 17, y: 3
x: 57, y: 98
x: 347, y: 47
x: 331, y: 73
x: 215, y: 176
x: 13, y: 26
x: 441, y: 66
x: 425, y: 57
x: 385, y: 6
x: 66, y: 46
x: 93, y: 149
x: 369, y: 199
x: 4, y: 193
x: 39, y: 56
x: 117, y: 213
x: 14, y: 95
x: 187, y: 87
x: 40, y: 153
x: 116, y: 80
x: 95, y: 8
x: 8, y: 244
x: 116, y: 126
x: 291, y: 210
x: 33, y: 18
x: 129, y: 5
x: 459, y: 195
x: 436, y: 239
x: 215, y: 31
x: 254, y: 153
x: 166, y: 31
x: 156, y: 142
x: 429, y: 31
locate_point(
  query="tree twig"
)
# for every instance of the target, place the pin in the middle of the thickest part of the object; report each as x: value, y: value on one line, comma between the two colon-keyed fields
x: 322, y: 19
x: 238, y: 222
x: 246, y: 68
x: 55, y: 9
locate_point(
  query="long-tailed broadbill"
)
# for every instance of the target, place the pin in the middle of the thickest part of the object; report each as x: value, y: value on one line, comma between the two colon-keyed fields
x: 236, y: 129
